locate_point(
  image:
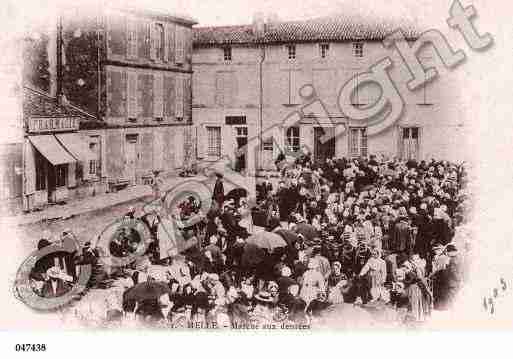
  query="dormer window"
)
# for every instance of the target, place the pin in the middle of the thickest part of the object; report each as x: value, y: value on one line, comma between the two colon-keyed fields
x: 324, y: 50
x: 291, y: 51
x: 358, y: 49
x: 227, y: 53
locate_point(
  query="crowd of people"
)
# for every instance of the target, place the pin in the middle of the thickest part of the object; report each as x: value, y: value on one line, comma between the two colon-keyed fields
x: 343, y: 232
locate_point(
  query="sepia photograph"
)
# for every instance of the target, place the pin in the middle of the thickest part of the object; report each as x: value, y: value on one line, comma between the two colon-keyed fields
x: 197, y: 166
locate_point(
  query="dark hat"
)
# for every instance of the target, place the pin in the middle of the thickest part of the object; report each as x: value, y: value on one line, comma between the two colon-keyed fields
x: 264, y: 296
x: 43, y: 243
x: 451, y: 248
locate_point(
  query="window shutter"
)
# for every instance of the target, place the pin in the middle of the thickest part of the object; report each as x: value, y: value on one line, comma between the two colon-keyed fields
x: 72, y: 173
x: 170, y: 42
x: 419, y: 144
x: 153, y: 42
x: 132, y: 95
x: 399, y: 133
x: 179, y: 50
x: 201, y: 141
x: 123, y: 90
x: 169, y: 96
x: 158, y: 89
x: 131, y: 37
x: 140, y: 94
x: 231, y: 88
x: 30, y: 168
x: 227, y: 139
x: 179, y: 92
x: 165, y: 45
x: 158, y: 150
x: 220, y: 89
x: 188, y: 98
x: 109, y: 92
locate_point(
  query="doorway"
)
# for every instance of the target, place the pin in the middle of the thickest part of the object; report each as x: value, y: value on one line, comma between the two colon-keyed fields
x: 326, y: 149
x: 131, y: 156
x: 241, y: 136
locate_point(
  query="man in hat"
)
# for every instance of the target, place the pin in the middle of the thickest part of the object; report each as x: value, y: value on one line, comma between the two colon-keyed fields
x: 156, y: 185
x: 57, y: 283
x: 402, y: 236
x: 440, y: 259
x: 448, y: 281
x: 218, y: 193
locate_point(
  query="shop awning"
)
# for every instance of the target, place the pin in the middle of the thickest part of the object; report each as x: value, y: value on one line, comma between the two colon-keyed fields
x: 51, y: 149
x: 76, y: 146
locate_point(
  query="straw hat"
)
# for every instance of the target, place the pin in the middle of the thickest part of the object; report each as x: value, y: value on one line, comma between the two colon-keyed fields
x: 264, y: 297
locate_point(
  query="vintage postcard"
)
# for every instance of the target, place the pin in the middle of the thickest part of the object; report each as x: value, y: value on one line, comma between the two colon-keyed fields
x: 230, y: 165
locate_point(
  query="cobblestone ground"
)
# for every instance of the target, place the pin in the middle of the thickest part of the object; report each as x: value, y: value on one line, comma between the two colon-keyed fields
x: 85, y: 226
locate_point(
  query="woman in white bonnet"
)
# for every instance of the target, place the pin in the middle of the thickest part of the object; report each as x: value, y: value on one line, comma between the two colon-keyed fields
x: 312, y: 283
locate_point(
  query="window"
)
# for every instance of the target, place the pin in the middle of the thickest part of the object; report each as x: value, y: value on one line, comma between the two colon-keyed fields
x: 235, y: 120
x: 410, y: 144
x: 41, y: 171
x: 132, y: 38
x: 267, y: 162
x: 179, y: 98
x: 158, y: 96
x: 61, y: 174
x: 214, y: 141
x: 267, y: 145
x: 132, y: 96
x: 324, y: 48
x: 358, y: 142
x: 358, y: 49
x: 226, y: 89
x: 227, y: 53
x: 293, y: 142
x: 180, y: 45
x: 291, y: 50
x: 94, y: 164
x: 159, y: 42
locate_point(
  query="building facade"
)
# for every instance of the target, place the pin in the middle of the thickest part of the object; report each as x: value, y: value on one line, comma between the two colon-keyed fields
x: 55, y: 155
x: 133, y: 69
x: 247, y: 83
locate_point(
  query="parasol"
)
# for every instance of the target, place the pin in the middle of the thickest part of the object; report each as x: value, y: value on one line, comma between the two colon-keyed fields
x: 252, y: 255
x: 267, y: 240
x: 144, y: 291
x: 307, y: 231
x: 289, y: 236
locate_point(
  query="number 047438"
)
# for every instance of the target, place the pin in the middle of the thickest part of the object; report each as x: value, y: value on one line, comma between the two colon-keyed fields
x: 30, y: 347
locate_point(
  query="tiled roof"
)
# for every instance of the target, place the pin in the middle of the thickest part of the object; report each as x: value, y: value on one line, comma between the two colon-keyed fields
x: 322, y: 29
x: 39, y: 104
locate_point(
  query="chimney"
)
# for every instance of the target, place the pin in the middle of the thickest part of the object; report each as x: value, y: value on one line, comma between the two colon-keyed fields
x: 272, y: 18
x: 51, y: 51
x: 259, y: 24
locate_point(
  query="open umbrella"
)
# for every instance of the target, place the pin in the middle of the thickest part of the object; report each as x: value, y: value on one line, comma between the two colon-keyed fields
x: 289, y: 236
x: 146, y: 291
x: 306, y: 230
x: 252, y: 255
x: 267, y: 240
x: 236, y: 194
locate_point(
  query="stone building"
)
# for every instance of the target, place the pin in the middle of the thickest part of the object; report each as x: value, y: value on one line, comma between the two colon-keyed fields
x: 54, y: 154
x: 132, y: 68
x: 247, y: 81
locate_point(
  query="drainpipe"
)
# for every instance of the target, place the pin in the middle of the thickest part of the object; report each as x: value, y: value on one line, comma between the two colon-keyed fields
x: 261, y: 105
x: 58, y: 91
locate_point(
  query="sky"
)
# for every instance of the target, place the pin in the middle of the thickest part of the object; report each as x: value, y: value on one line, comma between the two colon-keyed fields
x: 232, y: 12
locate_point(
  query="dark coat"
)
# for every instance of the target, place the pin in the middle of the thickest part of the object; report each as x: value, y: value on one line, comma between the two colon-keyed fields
x: 218, y: 194
x: 402, y: 238
x: 61, y: 288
